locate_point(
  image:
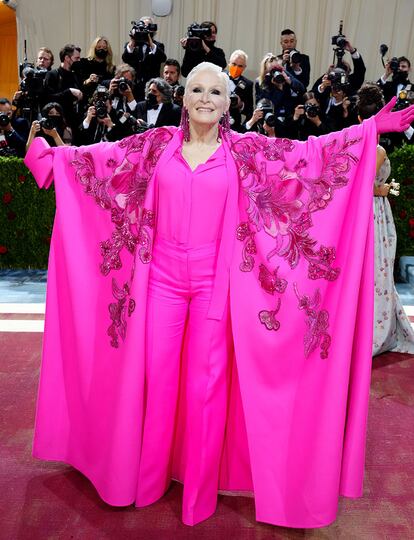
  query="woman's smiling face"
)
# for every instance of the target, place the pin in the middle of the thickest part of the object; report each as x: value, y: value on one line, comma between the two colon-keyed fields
x: 206, y: 98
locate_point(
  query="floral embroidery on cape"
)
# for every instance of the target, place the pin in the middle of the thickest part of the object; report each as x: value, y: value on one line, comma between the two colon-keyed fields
x: 122, y: 193
x: 281, y: 204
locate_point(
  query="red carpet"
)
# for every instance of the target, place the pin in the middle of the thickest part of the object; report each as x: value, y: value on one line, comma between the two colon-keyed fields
x: 52, y: 501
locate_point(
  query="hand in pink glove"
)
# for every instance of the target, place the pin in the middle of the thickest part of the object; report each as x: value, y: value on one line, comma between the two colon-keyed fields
x: 387, y: 121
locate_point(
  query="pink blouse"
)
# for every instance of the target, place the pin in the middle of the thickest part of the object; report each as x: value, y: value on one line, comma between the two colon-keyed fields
x: 191, y: 203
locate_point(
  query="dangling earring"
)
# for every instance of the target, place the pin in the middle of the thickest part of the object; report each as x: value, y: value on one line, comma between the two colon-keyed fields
x: 185, y: 124
x: 225, y: 122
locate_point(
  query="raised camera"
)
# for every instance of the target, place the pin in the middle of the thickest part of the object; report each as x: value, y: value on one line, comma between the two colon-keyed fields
x: 275, y: 76
x: 124, y: 84
x: 295, y: 57
x: 140, y: 31
x: 196, y: 33
x: 48, y: 122
x: 270, y: 119
x: 394, y: 64
x: 33, y: 81
x: 311, y: 110
x: 100, y: 108
x: 4, y: 120
x: 234, y: 100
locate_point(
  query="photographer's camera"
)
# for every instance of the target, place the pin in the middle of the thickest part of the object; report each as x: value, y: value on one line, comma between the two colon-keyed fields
x: 140, y: 31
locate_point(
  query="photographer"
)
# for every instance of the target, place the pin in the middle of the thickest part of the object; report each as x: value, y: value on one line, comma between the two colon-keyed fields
x: 158, y: 109
x: 241, y: 97
x: 13, y: 131
x: 295, y: 63
x: 52, y: 127
x: 283, y: 90
x: 96, y: 68
x: 354, y: 78
x: 200, y: 47
x: 63, y: 86
x: 307, y: 119
x: 144, y: 53
x: 401, y: 86
x: 30, y: 96
x: 263, y: 119
x: 122, y: 89
x: 336, y: 98
x: 399, y: 69
x: 101, y: 122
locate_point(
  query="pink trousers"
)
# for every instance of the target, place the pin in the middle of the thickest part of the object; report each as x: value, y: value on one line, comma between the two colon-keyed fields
x: 186, y: 380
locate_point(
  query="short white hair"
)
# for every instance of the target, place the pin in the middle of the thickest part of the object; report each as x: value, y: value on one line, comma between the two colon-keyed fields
x: 208, y: 66
x: 239, y: 52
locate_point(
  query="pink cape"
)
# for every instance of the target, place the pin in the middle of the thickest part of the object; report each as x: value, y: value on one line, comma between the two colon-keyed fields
x: 296, y: 258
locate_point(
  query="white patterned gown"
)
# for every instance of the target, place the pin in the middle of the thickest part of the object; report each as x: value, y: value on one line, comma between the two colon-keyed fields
x: 392, y: 329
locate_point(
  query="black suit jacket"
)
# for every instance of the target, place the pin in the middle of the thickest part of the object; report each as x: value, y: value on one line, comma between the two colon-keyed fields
x: 147, y: 66
x: 169, y: 115
x: 193, y: 58
x: 57, y: 84
x: 390, y: 88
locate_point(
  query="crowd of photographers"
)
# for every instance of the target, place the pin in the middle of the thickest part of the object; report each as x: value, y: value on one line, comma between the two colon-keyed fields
x: 88, y: 99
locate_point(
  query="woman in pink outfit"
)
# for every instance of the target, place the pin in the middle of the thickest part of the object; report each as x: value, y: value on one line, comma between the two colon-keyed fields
x: 193, y: 330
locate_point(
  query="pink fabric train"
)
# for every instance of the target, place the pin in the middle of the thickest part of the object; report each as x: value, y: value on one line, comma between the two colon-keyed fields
x: 296, y: 261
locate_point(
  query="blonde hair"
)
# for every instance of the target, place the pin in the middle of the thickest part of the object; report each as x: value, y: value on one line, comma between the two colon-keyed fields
x: 108, y: 60
x: 269, y: 57
x: 208, y: 66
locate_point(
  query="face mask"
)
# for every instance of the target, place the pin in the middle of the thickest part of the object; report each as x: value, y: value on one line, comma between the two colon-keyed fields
x: 152, y: 102
x: 235, y: 71
x: 101, y: 53
x: 401, y: 76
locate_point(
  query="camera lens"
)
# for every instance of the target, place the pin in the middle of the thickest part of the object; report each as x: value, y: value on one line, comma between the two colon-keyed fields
x: 270, y: 119
x: 295, y: 57
x: 122, y: 85
x: 278, y: 78
x: 4, y: 120
x: 47, y: 123
x: 311, y: 110
x: 100, y: 108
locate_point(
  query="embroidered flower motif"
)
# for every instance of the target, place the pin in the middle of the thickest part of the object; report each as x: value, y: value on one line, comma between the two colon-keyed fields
x: 317, y: 322
x: 336, y: 164
x: 270, y: 281
x: 244, y: 234
x: 117, y: 312
x: 275, y: 148
x: 268, y: 318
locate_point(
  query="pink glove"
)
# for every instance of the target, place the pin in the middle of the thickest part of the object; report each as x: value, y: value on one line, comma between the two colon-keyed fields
x: 387, y: 121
